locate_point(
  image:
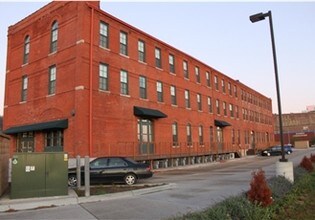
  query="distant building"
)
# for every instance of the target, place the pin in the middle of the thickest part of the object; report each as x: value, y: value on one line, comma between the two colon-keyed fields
x: 310, y: 108
x: 298, y: 129
x: 82, y: 81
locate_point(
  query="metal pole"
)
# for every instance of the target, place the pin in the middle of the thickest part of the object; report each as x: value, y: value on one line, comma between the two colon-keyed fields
x: 278, y: 88
x: 87, y: 175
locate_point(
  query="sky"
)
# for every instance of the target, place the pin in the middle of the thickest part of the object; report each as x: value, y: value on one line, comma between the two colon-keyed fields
x: 221, y: 35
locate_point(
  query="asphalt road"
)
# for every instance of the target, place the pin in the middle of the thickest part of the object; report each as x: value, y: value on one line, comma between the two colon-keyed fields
x: 195, y: 188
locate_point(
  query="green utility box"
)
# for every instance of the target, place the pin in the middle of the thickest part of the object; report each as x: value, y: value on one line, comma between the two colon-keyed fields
x: 39, y: 175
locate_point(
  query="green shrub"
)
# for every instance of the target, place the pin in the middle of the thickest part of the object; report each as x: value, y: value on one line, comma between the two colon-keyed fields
x: 279, y: 186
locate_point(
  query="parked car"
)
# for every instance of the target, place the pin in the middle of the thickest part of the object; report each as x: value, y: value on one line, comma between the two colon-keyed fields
x: 276, y: 150
x: 112, y: 169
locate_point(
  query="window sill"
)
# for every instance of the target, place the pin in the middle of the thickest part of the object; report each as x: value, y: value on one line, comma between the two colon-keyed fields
x: 123, y: 95
x: 144, y: 99
x: 158, y: 68
x: 173, y: 74
x: 51, y: 95
x: 174, y: 105
x: 104, y: 91
x: 22, y: 102
x: 104, y: 48
x: 24, y: 64
x: 52, y: 53
x: 123, y: 55
x: 142, y: 62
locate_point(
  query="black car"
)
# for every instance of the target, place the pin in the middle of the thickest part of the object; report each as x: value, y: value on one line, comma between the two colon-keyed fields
x: 276, y: 150
x: 112, y: 169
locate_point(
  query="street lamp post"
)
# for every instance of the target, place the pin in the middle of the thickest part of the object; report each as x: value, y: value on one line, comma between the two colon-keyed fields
x: 255, y: 18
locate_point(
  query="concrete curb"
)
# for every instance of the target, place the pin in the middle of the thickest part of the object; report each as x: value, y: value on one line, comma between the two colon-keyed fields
x: 7, y: 204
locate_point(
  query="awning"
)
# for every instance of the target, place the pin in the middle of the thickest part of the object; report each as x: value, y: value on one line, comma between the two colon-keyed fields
x: 148, y: 113
x: 58, y: 124
x: 221, y: 124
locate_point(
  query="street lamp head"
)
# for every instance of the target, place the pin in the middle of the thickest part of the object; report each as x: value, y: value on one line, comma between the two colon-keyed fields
x: 258, y: 17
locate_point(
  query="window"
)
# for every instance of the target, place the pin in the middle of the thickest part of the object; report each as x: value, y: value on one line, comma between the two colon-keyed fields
x: 52, y: 80
x: 24, y: 88
x: 231, y: 110
x: 173, y: 95
x: 210, y: 105
x: 103, y: 76
x: 26, y: 49
x: 143, y: 87
x: 224, y: 108
x: 188, y: 134
x: 236, y: 111
x: 141, y: 51
x: 208, y: 78
x: 230, y: 88
x: 185, y: 68
x: 124, y: 82
x: 217, y: 105
x: 159, y: 90
x: 103, y: 34
x: 175, y: 134
x: 117, y: 162
x: 158, y: 60
x: 200, y: 133
x: 197, y: 74
x: 171, y: 60
x: 235, y: 91
x: 25, y: 142
x: 123, y: 43
x: 54, y: 37
x: 216, y: 82
x: 187, y: 99
x: 211, y: 136
x: 199, y: 102
x: 54, y: 140
x: 233, y: 136
x: 223, y: 85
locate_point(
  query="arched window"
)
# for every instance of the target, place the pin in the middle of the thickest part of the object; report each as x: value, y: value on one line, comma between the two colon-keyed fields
x: 54, y: 37
x: 26, y: 49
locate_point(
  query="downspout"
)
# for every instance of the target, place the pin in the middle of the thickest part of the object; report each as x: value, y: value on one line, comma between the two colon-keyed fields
x: 91, y: 85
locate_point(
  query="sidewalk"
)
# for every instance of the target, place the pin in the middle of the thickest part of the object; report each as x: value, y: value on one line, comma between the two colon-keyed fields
x: 7, y: 204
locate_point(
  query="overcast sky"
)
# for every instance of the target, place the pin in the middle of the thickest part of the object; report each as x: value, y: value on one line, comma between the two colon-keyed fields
x: 220, y: 35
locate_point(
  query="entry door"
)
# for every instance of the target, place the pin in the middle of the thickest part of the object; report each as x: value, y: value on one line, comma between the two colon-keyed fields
x: 145, y: 136
x: 220, y: 139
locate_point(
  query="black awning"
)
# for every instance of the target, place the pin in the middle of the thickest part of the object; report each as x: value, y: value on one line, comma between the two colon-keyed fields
x: 221, y: 124
x: 58, y: 124
x: 148, y: 113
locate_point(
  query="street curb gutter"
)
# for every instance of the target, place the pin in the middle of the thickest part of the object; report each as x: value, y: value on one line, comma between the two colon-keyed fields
x: 7, y: 205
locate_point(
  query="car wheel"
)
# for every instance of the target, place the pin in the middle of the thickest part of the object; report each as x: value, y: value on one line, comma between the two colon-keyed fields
x: 289, y: 152
x: 268, y: 154
x: 72, y: 181
x: 130, y: 179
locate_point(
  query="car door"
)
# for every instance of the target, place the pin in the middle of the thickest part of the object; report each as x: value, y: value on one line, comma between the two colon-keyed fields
x: 117, y: 169
x: 98, y: 169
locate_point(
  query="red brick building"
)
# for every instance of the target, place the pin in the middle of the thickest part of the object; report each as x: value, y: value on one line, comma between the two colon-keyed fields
x: 82, y: 81
x: 298, y: 129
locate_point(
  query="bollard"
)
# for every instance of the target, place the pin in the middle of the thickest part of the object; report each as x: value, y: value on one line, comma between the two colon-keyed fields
x: 87, y: 175
x: 78, y: 171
